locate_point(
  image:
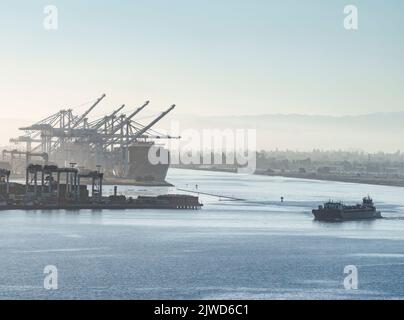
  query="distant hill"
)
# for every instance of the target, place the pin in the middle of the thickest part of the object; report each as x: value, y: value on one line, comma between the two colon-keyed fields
x: 369, y: 132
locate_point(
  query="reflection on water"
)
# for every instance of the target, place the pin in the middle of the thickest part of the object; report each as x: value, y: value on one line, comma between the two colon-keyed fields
x: 257, y: 248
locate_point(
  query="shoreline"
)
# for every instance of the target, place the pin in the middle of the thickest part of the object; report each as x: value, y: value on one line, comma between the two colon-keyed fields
x: 369, y: 180
x: 135, y: 183
x: 377, y: 181
x: 114, y: 182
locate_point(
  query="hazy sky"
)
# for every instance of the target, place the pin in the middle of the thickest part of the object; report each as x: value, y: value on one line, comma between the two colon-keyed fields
x: 209, y: 57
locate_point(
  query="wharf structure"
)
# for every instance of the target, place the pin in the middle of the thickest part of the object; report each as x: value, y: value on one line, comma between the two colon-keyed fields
x: 50, y: 187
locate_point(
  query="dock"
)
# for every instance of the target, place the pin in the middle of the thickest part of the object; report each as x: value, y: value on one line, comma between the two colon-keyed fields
x: 54, y: 188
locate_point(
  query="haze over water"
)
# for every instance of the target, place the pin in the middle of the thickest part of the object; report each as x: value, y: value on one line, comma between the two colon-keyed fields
x: 252, y: 249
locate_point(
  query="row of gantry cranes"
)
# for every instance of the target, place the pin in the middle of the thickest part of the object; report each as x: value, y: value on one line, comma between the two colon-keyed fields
x: 65, y: 138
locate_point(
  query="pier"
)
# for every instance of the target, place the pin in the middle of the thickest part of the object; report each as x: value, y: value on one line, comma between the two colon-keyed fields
x: 54, y: 188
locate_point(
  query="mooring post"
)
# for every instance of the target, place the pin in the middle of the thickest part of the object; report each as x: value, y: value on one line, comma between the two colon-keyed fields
x: 93, y: 187
x: 67, y: 185
x: 101, y: 177
x: 8, y: 183
x: 50, y: 182
x: 58, y: 187
x: 27, y: 180
x: 75, y: 185
x: 78, y: 187
x: 36, y: 183
x: 42, y: 181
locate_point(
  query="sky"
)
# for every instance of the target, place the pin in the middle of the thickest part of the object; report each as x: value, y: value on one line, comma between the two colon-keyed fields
x: 225, y: 57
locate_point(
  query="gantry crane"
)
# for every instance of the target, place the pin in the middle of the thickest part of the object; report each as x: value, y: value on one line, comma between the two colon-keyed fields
x: 65, y: 137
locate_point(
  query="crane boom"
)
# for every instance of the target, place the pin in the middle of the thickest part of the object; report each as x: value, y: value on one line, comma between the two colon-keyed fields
x: 102, y: 121
x: 150, y: 125
x: 85, y: 114
x: 126, y: 121
x: 116, y: 111
x: 138, y: 110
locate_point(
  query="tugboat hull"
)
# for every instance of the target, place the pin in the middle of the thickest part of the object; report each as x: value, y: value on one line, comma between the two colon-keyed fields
x: 346, y: 216
x: 337, y: 211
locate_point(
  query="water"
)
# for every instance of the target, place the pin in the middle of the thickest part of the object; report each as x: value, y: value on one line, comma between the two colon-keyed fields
x: 253, y: 249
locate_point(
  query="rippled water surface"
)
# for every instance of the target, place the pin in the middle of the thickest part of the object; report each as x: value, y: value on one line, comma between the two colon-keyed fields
x: 255, y: 248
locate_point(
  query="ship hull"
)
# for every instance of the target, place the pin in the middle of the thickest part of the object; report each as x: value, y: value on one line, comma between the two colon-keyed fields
x: 338, y: 215
x: 142, y: 169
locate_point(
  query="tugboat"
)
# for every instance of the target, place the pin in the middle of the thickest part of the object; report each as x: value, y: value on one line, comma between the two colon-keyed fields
x: 337, y: 211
